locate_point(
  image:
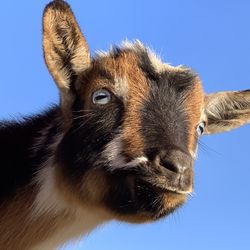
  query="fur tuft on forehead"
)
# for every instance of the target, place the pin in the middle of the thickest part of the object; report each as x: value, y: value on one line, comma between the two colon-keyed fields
x: 138, y: 48
x: 126, y: 45
x: 148, y: 59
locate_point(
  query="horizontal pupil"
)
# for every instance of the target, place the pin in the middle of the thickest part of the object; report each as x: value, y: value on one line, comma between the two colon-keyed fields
x: 100, y: 97
x: 201, y: 127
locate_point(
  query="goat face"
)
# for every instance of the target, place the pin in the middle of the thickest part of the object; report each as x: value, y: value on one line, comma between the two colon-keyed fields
x: 131, y: 122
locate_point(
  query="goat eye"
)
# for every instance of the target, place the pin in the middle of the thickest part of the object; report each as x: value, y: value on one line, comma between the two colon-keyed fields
x: 200, y: 128
x: 101, y: 97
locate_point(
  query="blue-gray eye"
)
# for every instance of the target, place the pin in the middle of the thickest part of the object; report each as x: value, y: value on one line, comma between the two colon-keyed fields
x: 101, y: 97
x: 200, y: 128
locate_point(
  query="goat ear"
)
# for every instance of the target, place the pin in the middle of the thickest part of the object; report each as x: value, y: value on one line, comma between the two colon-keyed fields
x: 227, y: 110
x: 65, y: 49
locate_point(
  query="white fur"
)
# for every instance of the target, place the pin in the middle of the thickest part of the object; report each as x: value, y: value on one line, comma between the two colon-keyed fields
x: 49, y: 202
x: 113, y: 149
x: 83, y: 221
x: 47, y: 199
x: 180, y: 191
x: 195, y: 153
x: 121, y: 87
x: 113, y: 155
x: 136, y: 162
x: 156, y: 61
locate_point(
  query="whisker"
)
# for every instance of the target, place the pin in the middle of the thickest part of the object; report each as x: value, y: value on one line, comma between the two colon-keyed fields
x: 82, y: 116
x: 82, y: 124
x: 82, y: 110
x: 205, y: 148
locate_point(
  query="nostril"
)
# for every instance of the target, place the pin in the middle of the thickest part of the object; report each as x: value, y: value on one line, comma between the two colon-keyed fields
x: 169, y: 165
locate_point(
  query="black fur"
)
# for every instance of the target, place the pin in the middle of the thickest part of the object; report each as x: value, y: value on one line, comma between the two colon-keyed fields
x: 19, y: 159
x: 127, y: 201
x: 164, y: 118
x: 85, y: 141
x: 141, y: 196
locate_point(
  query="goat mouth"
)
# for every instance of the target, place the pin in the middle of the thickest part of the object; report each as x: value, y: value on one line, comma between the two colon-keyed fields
x: 178, y: 184
x: 166, y: 180
x: 167, y: 187
x: 158, y: 176
x: 175, y: 190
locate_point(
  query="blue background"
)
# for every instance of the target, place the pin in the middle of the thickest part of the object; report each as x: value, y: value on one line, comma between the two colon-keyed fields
x: 212, y: 37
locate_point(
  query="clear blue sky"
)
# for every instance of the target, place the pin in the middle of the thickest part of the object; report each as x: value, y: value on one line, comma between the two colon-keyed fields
x: 212, y: 37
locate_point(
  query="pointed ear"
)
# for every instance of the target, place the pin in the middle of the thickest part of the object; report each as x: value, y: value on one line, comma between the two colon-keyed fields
x: 65, y: 49
x: 227, y: 110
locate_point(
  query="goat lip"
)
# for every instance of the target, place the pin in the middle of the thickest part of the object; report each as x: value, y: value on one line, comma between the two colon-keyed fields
x: 174, y: 183
x: 179, y: 183
x: 165, y: 188
x: 178, y: 191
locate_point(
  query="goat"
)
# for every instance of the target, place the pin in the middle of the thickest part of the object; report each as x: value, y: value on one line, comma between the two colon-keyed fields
x: 120, y: 145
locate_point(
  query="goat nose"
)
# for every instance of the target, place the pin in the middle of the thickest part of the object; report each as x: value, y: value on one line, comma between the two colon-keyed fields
x: 176, y: 161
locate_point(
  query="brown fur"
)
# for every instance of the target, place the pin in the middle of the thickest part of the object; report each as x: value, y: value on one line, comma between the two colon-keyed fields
x: 27, y: 231
x: 30, y: 228
x: 138, y: 92
x: 58, y: 18
x: 170, y: 201
x: 194, y: 106
x: 126, y: 68
x: 64, y: 45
